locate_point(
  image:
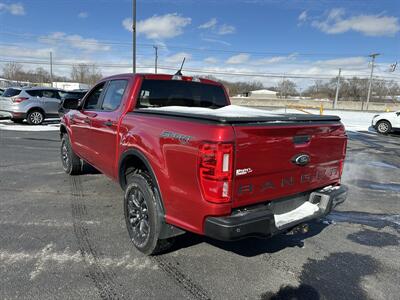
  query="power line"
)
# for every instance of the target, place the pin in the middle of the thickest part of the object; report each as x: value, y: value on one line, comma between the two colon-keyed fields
x: 194, y: 70
x: 86, y: 41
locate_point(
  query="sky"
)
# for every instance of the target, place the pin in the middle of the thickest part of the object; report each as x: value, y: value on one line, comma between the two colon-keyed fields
x: 264, y: 40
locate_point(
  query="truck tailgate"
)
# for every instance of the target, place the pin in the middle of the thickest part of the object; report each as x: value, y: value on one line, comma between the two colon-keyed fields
x: 273, y: 161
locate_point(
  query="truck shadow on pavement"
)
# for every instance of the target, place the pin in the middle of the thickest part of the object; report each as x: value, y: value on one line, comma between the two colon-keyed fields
x: 337, y: 276
x: 252, y: 246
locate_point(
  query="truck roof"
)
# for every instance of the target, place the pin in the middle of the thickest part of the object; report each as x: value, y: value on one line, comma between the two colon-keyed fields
x: 154, y: 76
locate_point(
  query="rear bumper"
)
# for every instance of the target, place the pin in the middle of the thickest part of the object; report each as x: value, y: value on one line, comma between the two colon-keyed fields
x: 259, y: 221
x: 13, y: 114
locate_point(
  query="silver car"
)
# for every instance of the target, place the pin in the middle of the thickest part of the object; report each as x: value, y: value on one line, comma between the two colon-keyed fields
x: 33, y: 104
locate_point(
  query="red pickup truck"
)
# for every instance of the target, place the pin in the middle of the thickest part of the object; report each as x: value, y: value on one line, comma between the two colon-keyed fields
x: 188, y: 160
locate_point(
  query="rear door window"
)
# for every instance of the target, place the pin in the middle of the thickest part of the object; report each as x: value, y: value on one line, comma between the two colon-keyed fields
x: 51, y: 94
x: 35, y: 93
x: 10, y: 92
x: 114, y: 94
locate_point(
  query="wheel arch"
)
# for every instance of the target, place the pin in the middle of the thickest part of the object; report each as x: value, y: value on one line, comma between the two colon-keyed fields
x: 384, y: 120
x: 63, y: 130
x: 38, y: 109
x: 135, y: 158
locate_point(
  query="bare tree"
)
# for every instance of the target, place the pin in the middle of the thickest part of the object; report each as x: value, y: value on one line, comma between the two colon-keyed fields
x: 13, y: 71
x: 86, y: 73
x: 238, y: 87
x: 287, y: 88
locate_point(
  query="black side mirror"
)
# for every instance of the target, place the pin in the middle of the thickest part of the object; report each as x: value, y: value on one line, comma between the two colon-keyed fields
x: 398, y: 113
x: 70, y: 103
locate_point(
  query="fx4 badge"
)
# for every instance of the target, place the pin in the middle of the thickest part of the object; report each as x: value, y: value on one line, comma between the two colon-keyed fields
x: 184, y: 139
x: 301, y: 159
x: 243, y: 171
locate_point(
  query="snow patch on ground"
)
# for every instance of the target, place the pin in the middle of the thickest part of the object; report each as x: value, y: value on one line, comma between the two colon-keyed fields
x: 48, y: 257
x: 9, y: 125
x: 352, y: 120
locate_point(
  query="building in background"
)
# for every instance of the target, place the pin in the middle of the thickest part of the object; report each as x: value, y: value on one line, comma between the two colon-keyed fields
x: 70, y: 86
x: 259, y: 94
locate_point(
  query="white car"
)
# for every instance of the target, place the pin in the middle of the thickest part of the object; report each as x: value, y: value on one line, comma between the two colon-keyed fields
x: 386, y: 122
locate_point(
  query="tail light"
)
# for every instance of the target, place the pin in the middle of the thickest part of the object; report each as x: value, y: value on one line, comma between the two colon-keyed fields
x: 215, y: 171
x: 19, y: 99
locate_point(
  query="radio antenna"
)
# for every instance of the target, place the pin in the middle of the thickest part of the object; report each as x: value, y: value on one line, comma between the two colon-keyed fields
x: 179, y: 73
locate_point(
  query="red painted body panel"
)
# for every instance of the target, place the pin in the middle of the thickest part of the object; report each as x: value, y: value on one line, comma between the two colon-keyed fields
x: 266, y: 150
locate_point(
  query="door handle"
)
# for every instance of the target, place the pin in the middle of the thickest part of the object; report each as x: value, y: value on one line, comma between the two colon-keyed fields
x: 87, y: 120
x: 108, y: 123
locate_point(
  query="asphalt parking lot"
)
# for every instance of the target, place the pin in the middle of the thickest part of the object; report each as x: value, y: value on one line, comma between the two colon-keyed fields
x: 65, y: 237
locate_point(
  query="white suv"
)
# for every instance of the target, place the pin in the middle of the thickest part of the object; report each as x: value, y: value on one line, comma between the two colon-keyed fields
x: 386, y: 122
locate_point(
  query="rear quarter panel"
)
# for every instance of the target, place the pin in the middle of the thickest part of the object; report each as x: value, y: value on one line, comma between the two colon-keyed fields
x: 175, y: 163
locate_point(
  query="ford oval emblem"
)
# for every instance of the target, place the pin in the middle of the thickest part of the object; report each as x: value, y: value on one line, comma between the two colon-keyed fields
x: 301, y: 159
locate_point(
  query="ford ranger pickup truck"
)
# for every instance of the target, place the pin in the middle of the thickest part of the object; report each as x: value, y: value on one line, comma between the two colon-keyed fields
x: 188, y: 160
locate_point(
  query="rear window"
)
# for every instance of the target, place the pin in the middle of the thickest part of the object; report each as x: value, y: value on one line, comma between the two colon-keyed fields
x: 158, y: 93
x: 10, y: 92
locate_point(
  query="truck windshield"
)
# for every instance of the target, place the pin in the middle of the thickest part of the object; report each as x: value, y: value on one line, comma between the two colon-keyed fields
x: 158, y: 93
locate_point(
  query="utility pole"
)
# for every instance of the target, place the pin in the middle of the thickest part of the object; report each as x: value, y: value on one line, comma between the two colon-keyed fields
x: 51, y: 68
x: 133, y: 36
x: 337, y: 89
x: 370, y: 79
x: 155, y: 58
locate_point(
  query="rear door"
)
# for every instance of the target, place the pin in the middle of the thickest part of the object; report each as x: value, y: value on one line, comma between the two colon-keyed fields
x: 278, y: 161
x: 104, y: 126
x: 51, y: 101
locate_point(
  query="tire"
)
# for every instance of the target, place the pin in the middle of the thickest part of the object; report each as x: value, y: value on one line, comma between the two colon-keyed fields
x: 384, y: 127
x: 71, y: 163
x: 17, y: 121
x: 35, y: 117
x: 143, y: 216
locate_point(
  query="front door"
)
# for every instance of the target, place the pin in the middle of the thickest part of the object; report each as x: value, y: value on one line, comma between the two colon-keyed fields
x: 80, y: 122
x: 104, y: 131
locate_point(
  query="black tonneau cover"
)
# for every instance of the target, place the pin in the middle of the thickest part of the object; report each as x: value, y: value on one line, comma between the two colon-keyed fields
x: 273, y: 119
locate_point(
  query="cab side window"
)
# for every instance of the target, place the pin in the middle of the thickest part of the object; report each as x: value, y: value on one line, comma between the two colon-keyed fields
x: 114, y: 94
x: 35, y: 93
x: 93, y: 99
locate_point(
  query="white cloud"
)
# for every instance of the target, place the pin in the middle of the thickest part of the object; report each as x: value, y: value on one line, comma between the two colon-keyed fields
x: 238, y: 59
x: 209, y: 24
x: 75, y: 41
x: 211, y: 60
x: 16, y: 9
x: 371, y: 25
x: 177, y: 58
x: 348, y: 62
x: 226, y: 29
x: 276, y: 59
x: 18, y: 51
x: 302, y: 17
x: 221, y: 29
x: 216, y: 41
x: 159, y: 27
x: 83, y: 15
